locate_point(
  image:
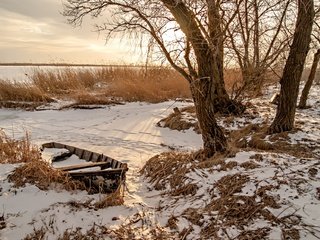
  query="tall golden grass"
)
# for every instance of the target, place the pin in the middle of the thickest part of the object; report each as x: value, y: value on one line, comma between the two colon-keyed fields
x: 17, y: 151
x: 21, y: 92
x: 96, y: 85
x: 128, y: 84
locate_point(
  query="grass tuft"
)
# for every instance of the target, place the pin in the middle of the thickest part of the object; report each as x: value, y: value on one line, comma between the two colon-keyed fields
x: 17, y: 151
x: 44, y: 176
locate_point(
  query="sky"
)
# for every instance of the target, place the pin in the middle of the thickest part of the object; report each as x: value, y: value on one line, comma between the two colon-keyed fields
x: 34, y: 31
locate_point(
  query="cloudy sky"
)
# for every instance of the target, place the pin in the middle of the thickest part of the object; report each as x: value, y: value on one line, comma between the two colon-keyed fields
x: 35, y: 31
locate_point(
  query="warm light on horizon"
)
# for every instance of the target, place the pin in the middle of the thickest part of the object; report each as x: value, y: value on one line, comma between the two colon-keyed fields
x: 33, y: 36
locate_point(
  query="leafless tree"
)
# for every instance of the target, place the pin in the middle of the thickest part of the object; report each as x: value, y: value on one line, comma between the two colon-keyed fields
x: 189, y: 33
x: 257, y: 36
x: 315, y: 46
x: 284, y: 119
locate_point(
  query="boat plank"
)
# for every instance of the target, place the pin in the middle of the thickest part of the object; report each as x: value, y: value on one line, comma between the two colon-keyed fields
x: 85, y: 165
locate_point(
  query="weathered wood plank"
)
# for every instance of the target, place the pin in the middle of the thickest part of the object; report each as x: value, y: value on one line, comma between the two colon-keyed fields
x: 96, y: 157
x: 79, y: 152
x: 71, y: 149
x: 85, y: 165
x: 61, y: 156
x: 107, y: 173
x: 58, y: 145
x: 87, y: 155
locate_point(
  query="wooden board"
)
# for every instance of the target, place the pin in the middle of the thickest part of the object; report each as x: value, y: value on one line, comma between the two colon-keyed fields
x: 89, y: 156
x: 85, y: 165
x: 107, y: 173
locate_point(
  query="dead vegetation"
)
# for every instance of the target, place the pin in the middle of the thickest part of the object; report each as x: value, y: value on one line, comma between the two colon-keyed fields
x: 138, y: 227
x: 254, y: 136
x: 44, y: 176
x: 230, y: 206
x: 17, y: 151
x: 37, y: 172
x: 99, y: 85
x: 22, y: 92
x: 181, y: 119
x: 250, y: 136
x: 162, y: 172
x: 96, y: 86
x: 115, y: 198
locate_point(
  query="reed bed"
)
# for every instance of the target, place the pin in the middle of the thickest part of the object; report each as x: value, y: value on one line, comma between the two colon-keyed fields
x: 97, y: 84
x: 22, y: 91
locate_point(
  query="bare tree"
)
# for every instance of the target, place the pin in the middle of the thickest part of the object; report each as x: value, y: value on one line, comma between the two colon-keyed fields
x: 307, y: 86
x: 284, y: 119
x: 189, y: 34
x: 316, y: 58
x: 257, y: 37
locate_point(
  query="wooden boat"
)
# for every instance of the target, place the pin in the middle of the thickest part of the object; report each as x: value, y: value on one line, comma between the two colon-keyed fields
x: 111, y: 175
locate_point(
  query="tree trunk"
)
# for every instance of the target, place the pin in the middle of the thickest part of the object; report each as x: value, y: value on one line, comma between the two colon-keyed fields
x: 212, y: 135
x: 208, y: 92
x: 207, y: 88
x: 284, y: 120
x: 307, y: 86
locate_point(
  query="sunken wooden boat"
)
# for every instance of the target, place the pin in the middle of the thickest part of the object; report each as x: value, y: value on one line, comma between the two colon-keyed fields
x: 108, y: 178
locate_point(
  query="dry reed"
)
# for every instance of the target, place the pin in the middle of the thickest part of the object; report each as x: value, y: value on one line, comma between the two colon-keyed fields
x: 24, y: 92
x: 44, y: 176
x: 17, y: 151
x: 169, y: 170
x: 98, y: 85
x: 127, y: 83
x: 115, y: 198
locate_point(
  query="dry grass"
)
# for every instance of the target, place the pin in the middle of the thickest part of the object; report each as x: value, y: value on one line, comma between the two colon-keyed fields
x: 44, y: 176
x: 17, y: 151
x: 139, y: 227
x: 98, y: 85
x: 170, y: 169
x: 129, y: 84
x: 22, y: 92
x: 176, y: 121
x: 38, y: 234
x: 253, y: 136
x: 230, y: 206
x: 233, y: 209
x: 35, y: 170
x: 115, y: 198
x: 154, y: 84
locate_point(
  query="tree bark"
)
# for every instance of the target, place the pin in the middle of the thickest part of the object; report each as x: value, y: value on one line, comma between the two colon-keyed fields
x: 284, y: 120
x: 307, y: 86
x: 207, y: 89
x: 212, y: 135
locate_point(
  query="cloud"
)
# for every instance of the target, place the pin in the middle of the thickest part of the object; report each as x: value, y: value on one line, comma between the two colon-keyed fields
x: 36, y: 31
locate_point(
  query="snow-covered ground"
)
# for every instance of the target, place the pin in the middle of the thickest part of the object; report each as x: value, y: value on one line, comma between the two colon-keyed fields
x: 129, y: 133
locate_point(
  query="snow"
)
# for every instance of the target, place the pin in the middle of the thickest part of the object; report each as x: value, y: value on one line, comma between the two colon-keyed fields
x: 126, y: 132
x: 129, y: 134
